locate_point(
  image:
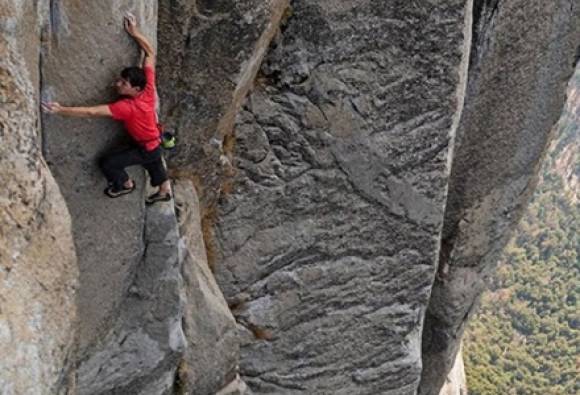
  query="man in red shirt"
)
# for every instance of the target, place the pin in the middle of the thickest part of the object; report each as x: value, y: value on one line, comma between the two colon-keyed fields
x: 137, y: 112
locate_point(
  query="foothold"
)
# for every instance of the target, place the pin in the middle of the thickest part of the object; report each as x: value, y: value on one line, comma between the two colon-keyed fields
x: 224, y: 161
x: 215, y: 142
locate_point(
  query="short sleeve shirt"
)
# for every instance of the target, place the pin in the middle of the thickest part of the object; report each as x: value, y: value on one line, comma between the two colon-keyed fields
x: 138, y: 114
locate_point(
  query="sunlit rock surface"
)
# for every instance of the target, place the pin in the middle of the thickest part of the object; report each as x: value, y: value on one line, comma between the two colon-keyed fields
x: 38, y: 266
x: 77, y: 69
x: 456, y: 382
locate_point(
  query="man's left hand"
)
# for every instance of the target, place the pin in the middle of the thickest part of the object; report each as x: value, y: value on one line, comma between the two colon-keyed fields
x: 51, y: 107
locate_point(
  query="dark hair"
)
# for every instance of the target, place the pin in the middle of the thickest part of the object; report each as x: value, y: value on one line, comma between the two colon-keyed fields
x: 135, y: 76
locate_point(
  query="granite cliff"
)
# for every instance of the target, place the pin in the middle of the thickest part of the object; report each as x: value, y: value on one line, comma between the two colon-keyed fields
x: 346, y: 173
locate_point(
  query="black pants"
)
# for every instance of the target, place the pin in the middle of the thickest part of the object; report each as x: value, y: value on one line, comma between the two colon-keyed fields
x: 113, y: 165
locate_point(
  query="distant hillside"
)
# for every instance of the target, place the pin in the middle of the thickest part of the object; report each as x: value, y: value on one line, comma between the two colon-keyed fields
x: 525, y: 337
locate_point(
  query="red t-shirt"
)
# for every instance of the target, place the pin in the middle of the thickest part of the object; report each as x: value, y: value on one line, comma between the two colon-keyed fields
x: 138, y: 114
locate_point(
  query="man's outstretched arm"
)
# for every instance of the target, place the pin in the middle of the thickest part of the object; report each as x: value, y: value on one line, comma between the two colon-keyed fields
x: 92, y: 111
x: 130, y: 23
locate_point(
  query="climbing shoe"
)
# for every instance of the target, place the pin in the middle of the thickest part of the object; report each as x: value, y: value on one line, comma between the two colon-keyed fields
x: 157, y: 197
x: 111, y: 192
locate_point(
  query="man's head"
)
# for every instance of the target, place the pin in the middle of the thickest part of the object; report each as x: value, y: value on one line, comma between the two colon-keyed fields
x: 131, y: 82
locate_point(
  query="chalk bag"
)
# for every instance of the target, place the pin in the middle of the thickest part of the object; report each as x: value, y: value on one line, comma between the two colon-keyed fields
x: 168, y: 140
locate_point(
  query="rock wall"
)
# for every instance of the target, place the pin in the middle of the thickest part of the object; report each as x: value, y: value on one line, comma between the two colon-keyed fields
x: 144, y: 291
x: 38, y: 266
x: 329, y: 239
x: 566, y: 165
x: 516, y: 92
x: 212, y: 354
x: 363, y: 163
x: 209, y: 54
x: 141, y: 353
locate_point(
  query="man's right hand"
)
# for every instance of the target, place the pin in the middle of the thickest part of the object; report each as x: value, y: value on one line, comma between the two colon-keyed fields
x: 130, y: 23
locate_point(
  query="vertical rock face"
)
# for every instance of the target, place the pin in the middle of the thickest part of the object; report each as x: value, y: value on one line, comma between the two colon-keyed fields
x: 211, y: 358
x: 329, y: 240
x: 456, y: 382
x: 568, y: 166
x: 130, y: 302
x: 38, y: 272
x: 209, y: 54
x: 85, y: 48
x: 131, y: 292
x: 524, y: 55
x: 141, y: 354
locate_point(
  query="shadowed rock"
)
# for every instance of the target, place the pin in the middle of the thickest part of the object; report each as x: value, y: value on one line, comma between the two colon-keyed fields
x: 523, y: 58
x: 209, y: 54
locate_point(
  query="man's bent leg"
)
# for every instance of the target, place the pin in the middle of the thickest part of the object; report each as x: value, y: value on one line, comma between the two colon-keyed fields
x: 113, y: 166
x: 158, y: 175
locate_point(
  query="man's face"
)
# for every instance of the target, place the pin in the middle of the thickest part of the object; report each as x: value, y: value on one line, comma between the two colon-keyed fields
x: 124, y: 88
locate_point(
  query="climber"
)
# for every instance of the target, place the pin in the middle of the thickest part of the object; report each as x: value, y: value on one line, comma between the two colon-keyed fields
x: 136, y: 109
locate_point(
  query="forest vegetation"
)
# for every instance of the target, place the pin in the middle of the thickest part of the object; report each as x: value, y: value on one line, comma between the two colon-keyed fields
x: 524, y: 338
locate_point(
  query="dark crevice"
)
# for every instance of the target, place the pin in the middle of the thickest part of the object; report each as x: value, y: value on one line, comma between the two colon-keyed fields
x: 54, y: 17
x: 444, y: 255
x: 44, y: 47
x: 484, y: 12
x: 39, y: 125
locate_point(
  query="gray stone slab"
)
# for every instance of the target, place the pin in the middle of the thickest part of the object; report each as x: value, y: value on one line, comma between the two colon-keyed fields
x: 85, y: 48
x: 456, y: 381
x: 142, y: 352
x: 329, y: 238
x: 212, y: 351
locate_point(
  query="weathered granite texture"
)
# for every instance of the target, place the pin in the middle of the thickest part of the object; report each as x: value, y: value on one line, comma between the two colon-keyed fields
x: 329, y: 240
x: 85, y: 48
x: 209, y: 54
x: 141, y: 354
x: 134, y: 300
x: 175, y: 333
x: 212, y: 351
x: 524, y: 55
x: 38, y: 267
x: 327, y: 245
